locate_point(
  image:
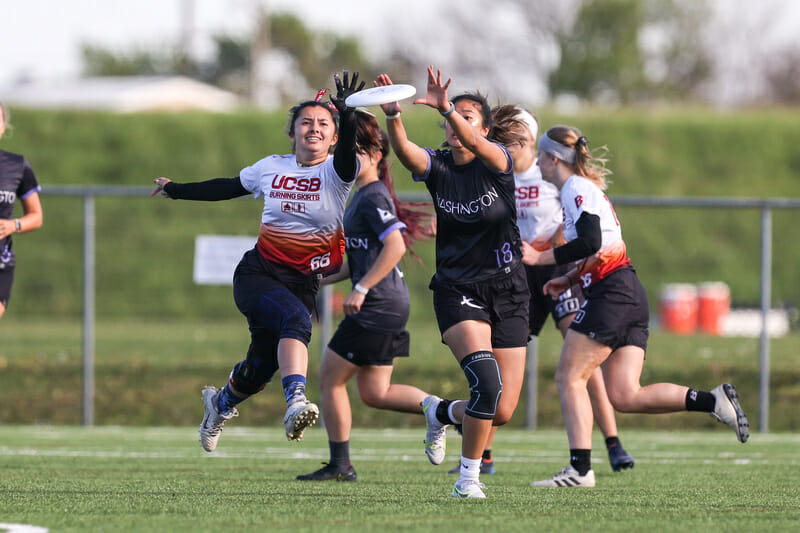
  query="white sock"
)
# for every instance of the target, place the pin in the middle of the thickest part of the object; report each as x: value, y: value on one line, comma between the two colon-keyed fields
x: 470, y: 468
x: 450, y: 413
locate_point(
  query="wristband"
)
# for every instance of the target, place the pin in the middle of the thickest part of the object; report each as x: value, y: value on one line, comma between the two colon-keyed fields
x: 449, y: 111
x: 392, y: 117
x: 18, y: 224
x: 359, y: 288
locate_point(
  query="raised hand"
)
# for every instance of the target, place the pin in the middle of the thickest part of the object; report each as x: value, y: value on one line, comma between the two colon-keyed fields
x: 437, y: 91
x: 392, y: 107
x: 344, y: 88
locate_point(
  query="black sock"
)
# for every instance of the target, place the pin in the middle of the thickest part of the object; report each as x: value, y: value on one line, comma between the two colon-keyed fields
x: 487, y: 454
x: 697, y: 400
x: 581, y: 460
x: 340, y: 452
x: 441, y: 412
x: 611, y: 442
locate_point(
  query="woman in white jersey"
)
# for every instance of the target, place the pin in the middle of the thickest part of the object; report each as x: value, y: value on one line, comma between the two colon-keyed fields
x: 300, y: 240
x: 373, y: 332
x: 611, y: 329
x: 539, y: 219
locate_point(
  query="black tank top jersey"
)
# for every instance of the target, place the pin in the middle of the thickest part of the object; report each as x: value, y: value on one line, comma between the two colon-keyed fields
x: 17, y: 181
x: 369, y: 218
x: 477, y: 237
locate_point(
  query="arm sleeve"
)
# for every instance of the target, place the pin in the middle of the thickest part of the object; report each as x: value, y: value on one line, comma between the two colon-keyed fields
x: 590, y: 238
x: 207, y: 191
x: 345, y: 161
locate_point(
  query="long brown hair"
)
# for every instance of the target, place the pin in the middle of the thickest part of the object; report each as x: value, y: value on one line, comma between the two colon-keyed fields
x: 371, y: 138
x: 508, y: 126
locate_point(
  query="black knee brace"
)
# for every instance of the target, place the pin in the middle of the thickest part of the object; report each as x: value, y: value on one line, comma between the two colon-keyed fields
x: 252, y: 375
x: 485, y: 384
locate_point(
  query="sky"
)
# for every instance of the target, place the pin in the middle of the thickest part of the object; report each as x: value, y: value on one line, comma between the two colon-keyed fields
x: 41, y: 39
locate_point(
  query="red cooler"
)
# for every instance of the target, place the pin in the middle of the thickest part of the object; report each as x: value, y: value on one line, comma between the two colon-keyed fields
x: 679, y: 308
x: 714, y: 305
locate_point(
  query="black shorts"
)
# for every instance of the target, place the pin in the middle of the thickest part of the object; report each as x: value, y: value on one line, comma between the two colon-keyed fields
x: 542, y: 305
x: 503, y: 303
x: 616, y: 312
x: 364, y: 347
x: 6, y: 280
x: 276, y: 307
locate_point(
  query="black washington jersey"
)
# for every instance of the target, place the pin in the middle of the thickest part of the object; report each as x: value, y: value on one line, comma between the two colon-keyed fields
x: 477, y: 237
x: 17, y: 181
x: 369, y: 218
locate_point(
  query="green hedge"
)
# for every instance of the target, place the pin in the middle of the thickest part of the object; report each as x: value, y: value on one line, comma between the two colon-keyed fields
x: 145, y: 245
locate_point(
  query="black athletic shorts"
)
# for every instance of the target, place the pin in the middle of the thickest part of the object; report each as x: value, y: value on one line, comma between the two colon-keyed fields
x: 6, y: 280
x: 363, y: 347
x: 616, y: 311
x: 542, y: 305
x: 502, y: 302
x: 277, y: 305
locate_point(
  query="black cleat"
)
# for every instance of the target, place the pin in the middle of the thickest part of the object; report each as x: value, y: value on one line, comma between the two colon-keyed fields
x: 331, y: 472
x: 619, y: 458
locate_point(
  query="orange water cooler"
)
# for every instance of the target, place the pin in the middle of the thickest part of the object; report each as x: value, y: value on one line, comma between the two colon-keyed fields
x: 679, y: 308
x: 714, y: 305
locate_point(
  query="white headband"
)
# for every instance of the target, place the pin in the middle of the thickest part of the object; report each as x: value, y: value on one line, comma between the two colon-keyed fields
x: 529, y: 121
x: 555, y: 148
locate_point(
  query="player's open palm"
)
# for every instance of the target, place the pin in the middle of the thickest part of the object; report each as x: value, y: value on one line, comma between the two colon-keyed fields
x: 436, y: 96
x: 391, y: 108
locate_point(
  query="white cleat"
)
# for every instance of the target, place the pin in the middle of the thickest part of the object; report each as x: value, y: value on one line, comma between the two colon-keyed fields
x: 436, y: 437
x: 568, y: 477
x: 728, y: 411
x: 468, y: 488
x: 211, y: 427
x: 299, y: 416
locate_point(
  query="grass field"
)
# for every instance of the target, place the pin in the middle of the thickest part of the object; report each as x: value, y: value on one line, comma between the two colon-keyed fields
x: 159, y: 479
x: 149, y: 373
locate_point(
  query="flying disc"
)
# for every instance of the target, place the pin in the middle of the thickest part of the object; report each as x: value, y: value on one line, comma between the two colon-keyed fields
x: 380, y: 95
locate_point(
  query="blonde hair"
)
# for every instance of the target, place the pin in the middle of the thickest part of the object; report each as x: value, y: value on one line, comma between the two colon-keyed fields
x: 590, y: 164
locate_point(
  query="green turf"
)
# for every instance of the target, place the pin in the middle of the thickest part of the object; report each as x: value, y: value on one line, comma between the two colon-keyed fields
x: 150, y: 373
x: 159, y: 479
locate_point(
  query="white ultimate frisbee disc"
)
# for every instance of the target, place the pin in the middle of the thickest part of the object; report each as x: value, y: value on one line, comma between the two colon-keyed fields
x: 380, y: 95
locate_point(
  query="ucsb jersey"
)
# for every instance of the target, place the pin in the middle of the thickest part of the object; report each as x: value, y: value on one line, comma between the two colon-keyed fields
x: 17, y: 181
x: 301, y: 225
x: 538, y: 208
x: 369, y: 218
x: 579, y: 195
x: 476, y: 230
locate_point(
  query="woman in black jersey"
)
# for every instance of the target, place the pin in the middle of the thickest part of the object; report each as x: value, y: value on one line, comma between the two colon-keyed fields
x: 300, y: 240
x: 480, y: 291
x: 17, y: 181
x: 373, y: 332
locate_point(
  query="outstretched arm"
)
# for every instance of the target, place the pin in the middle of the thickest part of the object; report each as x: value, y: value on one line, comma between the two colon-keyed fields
x: 468, y: 133
x: 345, y: 161
x: 414, y: 158
x: 209, y: 191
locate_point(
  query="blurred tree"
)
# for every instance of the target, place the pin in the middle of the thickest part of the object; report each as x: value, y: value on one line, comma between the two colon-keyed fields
x: 99, y: 61
x: 633, y: 50
x: 782, y: 74
x: 315, y: 55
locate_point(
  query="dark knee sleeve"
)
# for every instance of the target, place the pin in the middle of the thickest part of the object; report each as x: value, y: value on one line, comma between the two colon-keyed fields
x: 485, y: 384
x: 252, y: 375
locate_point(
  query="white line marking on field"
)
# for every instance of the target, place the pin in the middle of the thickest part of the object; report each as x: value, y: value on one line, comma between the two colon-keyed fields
x: 22, y: 528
